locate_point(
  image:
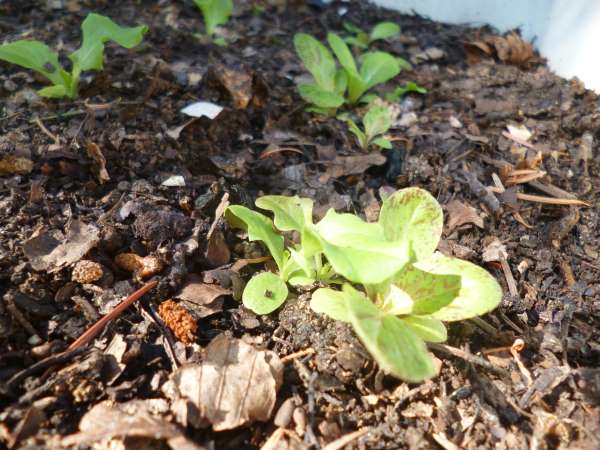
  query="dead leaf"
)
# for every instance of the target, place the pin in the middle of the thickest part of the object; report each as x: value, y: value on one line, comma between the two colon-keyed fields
x: 51, y: 251
x: 495, y: 251
x: 234, y: 385
x: 217, y: 251
x: 135, y: 418
x: 510, y: 49
x: 94, y: 152
x: 352, y: 165
x: 206, y: 299
x: 14, y: 165
x: 460, y: 214
x: 236, y: 80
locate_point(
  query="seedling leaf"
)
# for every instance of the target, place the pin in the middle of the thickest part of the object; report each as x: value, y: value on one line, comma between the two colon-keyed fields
x: 342, y: 52
x: 97, y: 30
x: 331, y: 303
x: 264, y: 293
x: 377, y: 121
x: 259, y: 227
x: 290, y: 213
x: 317, y: 60
x: 384, y: 30
x: 414, y: 217
x: 383, y: 143
x: 33, y: 55
x: 377, y: 68
x: 320, y: 97
x: 479, y: 291
x: 427, y: 328
x: 215, y: 13
x: 395, y: 346
x: 429, y: 292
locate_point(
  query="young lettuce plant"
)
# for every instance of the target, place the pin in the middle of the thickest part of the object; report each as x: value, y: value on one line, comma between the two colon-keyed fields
x: 328, y: 90
x: 362, y: 39
x: 408, y: 289
x: 215, y: 13
x: 376, y: 122
x: 96, y: 29
x: 376, y: 68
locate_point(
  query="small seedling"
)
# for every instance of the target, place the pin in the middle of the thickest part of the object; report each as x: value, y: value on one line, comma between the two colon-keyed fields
x: 331, y: 83
x: 376, y: 122
x: 408, y: 289
x: 362, y: 39
x: 215, y: 13
x: 400, y: 91
x: 96, y: 30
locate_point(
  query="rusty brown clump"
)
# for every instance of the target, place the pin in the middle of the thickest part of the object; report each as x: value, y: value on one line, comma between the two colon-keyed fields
x: 86, y: 271
x: 142, y: 266
x: 179, y: 320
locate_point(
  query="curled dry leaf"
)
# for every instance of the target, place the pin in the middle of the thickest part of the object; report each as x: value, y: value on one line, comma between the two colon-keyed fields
x: 95, y: 153
x: 234, y: 385
x: 51, y: 251
x: 142, y: 266
x: 203, y: 298
x: 14, y: 165
x: 179, y: 320
x: 136, y: 418
x: 342, y: 166
x: 510, y: 49
x: 460, y: 214
x: 86, y: 271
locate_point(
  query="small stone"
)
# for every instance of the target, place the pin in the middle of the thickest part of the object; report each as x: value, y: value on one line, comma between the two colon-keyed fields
x: 86, y: 272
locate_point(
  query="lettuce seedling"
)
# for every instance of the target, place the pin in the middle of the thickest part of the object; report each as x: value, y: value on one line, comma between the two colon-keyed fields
x: 326, y: 93
x: 400, y: 91
x: 330, y: 85
x: 376, y: 122
x: 215, y: 13
x: 362, y: 39
x: 408, y: 290
x: 376, y: 68
x: 96, y: 29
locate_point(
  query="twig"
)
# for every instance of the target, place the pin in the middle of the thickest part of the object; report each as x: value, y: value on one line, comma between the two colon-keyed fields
x: 299, y: 354
x: 470, y: 358
x: 342, y: 441
x: 95, y: 329
x: 540, y: 199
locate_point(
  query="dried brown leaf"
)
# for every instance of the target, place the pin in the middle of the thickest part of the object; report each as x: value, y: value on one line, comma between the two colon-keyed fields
x: 14, y: 165
x: 234, y: 385
x: 95, y: 153
x: 206, y: 299
x: 460, y: 214
x: 51, y: 251
x: 352, y: 165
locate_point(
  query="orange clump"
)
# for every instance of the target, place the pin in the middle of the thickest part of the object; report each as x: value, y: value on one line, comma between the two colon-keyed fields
x: 179, y: 320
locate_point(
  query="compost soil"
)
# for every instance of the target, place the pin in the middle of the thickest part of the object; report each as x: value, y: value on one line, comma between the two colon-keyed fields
x: 101, y: 176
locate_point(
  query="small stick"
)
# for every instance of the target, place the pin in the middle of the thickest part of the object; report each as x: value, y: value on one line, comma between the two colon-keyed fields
x: 470, y: 358
x: 95, y: 329
x: 344, y: 440
x: 540, y: 199
x: 299, y: 354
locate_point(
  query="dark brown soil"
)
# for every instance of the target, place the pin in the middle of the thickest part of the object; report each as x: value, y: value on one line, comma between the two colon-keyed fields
x: 449, y: 141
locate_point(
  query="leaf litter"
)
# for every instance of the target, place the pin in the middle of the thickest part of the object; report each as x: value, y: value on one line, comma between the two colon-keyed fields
x: 339, y: 397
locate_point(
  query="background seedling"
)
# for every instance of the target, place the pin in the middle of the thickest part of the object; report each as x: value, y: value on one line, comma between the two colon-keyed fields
x: 215, y: 13
x: 400, y: 91
x: 330, y: 85
x: 96, y: 31
x: 361, y: 39
x: 408, y: 289
x: 376, y: 122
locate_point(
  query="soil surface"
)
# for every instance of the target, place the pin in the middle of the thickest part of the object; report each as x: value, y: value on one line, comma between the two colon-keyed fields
x: 92, y: 179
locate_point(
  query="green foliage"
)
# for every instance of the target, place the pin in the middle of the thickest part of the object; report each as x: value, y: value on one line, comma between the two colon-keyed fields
x: 96, y: 29
x: 400, y: 91
x: 408, y: 288
x: 215, y: 13
x: 376, y: 122
x: 361, y: 39
x: 330, y: 82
